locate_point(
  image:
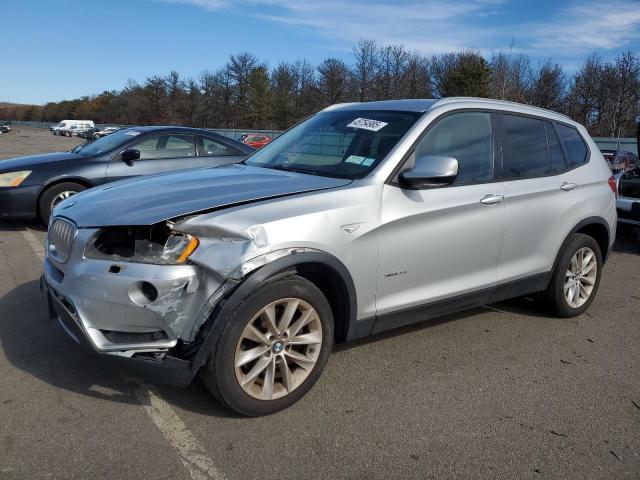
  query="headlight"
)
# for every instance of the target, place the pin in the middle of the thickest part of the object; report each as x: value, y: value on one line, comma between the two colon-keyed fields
x: 13, y: 179
x: 158, y: 244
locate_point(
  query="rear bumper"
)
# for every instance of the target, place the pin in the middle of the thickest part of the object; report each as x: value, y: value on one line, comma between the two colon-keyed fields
x: 18, y: 202
x: 149, y: 363
x: 628, y: 210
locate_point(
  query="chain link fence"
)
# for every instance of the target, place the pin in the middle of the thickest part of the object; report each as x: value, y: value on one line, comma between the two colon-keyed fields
x: 604, y: 143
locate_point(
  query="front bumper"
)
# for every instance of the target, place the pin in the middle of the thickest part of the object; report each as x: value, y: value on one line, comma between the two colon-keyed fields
x: 18, y: 202
x: 164, y: 369
x: 99, y: 302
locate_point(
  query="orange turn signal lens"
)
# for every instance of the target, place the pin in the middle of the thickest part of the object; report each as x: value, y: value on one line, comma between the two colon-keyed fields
x: 191, y: 246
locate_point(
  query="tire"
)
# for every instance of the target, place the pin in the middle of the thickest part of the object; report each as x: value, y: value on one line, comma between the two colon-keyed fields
x: 53, y: 195
x: 560, y: 287
x: 67, y: 134
x: 224, y: 370
x: 96, y: 136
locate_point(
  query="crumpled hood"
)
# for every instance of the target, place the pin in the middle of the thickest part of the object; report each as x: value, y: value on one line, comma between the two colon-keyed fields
x: 20, y: 163
x: 151, y: 199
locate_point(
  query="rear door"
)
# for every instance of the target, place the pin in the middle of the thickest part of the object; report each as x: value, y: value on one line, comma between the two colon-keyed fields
x: 158, y: 154
x: 542, y: 196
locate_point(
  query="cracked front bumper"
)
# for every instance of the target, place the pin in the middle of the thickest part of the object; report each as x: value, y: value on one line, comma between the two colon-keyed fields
x: 98, y: 302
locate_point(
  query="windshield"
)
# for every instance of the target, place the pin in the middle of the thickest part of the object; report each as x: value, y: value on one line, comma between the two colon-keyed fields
x: 106, y: 144
x: 343, y: 144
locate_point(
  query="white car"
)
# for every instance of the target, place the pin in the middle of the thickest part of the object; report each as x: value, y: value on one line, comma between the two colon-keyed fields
x: 104, y: 132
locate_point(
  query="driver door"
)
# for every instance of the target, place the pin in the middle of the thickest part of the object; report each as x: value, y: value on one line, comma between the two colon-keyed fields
x: 442, y: 243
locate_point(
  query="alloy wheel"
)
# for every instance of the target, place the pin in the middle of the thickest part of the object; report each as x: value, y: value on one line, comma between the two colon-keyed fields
x: 61, y: 197
x: 580, y: 277
x: 278, y: 349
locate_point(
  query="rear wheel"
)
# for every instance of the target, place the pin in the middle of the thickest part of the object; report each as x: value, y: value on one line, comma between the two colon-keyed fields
x: 67, y: 134
x: 576, y: 277
x: 55, y: 194
x: 272, y: 349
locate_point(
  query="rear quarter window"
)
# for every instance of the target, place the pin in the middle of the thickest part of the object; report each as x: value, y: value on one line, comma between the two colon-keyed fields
x: 574, y: 147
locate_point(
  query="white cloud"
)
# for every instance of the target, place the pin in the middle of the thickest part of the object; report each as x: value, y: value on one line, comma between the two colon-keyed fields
x: 588, y: 26
x: 437, y: 26
x: 429, y: 26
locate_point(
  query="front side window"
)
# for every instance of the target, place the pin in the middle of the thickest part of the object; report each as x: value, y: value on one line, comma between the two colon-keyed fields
x: 212, y: 148
x: 467, y: 137
x: 343, y: 144
x: 167, y: 146
x: 574, y: 146
x: 524, y: 148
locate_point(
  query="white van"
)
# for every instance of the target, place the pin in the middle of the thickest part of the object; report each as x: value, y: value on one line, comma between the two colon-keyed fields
x: 67, y: 124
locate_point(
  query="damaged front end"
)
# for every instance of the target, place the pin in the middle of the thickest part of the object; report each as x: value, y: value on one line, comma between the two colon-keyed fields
x: 146, y: 292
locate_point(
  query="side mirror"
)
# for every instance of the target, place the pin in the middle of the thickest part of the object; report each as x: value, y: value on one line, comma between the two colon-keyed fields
x: 430, y: 171
x: 129, y: 155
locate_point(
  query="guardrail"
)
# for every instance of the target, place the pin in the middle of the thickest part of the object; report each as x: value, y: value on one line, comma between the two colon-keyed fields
x: 604, y: 143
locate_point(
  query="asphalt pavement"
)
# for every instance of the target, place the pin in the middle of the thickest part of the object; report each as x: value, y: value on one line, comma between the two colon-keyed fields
x: 503, y: 391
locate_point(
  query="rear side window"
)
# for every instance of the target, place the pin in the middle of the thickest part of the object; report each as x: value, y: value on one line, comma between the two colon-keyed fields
x: 524, y: 148
x: 574, y: 146
x: 558, y: 164
x: 211, y: 148
x: 467, y: 138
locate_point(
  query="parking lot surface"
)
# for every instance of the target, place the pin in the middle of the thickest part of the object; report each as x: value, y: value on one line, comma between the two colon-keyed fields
x: 503, y: 391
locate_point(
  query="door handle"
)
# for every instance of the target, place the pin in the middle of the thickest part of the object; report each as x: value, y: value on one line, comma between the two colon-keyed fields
x: 491, y: 199
x: 567, y: 186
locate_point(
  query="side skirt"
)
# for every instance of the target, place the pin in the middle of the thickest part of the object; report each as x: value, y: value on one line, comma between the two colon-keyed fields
x: 408, y: 316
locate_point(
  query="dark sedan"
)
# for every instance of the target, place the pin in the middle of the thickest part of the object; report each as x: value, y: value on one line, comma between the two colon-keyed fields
x: 32, y: 186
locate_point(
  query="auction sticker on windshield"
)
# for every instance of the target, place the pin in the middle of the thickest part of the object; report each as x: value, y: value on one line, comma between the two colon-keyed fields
x: 367, y: 124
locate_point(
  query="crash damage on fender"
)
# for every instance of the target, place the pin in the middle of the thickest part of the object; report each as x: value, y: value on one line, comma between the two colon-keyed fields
x: 133, y: 280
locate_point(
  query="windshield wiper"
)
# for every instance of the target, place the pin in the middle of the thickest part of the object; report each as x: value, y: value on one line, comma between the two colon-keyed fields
x: 294, y: 170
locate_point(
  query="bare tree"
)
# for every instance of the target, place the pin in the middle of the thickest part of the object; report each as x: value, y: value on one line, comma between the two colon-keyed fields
x: 510, y: 76
x: 364, y: 68
x: 548, y: 87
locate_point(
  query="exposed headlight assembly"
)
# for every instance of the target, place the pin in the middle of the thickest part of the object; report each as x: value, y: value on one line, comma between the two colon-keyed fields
x: 158, y: 244
x: 13, y: 179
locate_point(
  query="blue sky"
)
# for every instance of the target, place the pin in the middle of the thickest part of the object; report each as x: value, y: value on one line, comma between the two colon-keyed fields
x: 57, y: 49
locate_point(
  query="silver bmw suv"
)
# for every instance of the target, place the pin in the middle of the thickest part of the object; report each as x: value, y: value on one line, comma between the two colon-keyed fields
x: 362, y: 218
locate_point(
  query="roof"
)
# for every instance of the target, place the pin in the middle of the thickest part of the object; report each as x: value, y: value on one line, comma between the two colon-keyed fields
x: 406, y: 105
x: 421, y: 105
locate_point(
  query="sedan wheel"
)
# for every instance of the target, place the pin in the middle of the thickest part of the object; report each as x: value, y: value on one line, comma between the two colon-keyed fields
x: 580, y: 277
x: 278, y: 349
x: 61, y: 197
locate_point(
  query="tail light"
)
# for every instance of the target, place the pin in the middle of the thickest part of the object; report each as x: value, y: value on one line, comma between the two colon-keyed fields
x: 612, y: 184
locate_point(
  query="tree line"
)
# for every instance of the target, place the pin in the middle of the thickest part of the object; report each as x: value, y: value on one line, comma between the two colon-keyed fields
x: 247, y: 93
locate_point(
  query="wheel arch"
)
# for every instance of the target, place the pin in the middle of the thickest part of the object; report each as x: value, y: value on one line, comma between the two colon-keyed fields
x: 326, y: 272
x: 595, y: 227
x: 56, y: 181
x: 322, y: 269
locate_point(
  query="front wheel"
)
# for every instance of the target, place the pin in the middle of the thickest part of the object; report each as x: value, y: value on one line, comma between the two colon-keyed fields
x: 576, y: 278
x: 55, y: 194
x: 272, y: 348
